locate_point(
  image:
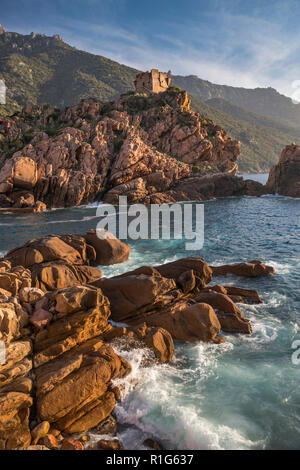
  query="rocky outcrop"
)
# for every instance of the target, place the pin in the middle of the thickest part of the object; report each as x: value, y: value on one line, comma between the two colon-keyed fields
x: 201, y: 188
x: 56, y: 275
x: 12, y: 279
x: 229, y: 315
x: 237, y: 294
x: 61, y: 375
x: 108, y: 248
x: 15, y: 375
x: 284, y: 178
x: 71, y: 249
x: 131, y: 294
x: 58, y: 362
x: 168, y: 296
x: 188, y: 322
x: 137, y: 146
x: 73, y: 367
x: 53, y: 262
x: 253, y: 268
x: 176, y: 269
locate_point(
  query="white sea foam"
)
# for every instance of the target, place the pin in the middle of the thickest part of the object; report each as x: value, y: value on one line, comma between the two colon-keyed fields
x: 280, y: 268
x: 156, y: 402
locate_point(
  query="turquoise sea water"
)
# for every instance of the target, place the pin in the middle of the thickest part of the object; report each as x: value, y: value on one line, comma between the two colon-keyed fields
x: 243, y: 394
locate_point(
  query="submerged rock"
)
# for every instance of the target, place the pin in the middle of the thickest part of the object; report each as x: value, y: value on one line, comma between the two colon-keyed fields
x: 108, y: 248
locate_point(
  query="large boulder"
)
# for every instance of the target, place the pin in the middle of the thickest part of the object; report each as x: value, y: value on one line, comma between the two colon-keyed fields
x: 78, y: 314
x: 58, y: 275
x: 284, y: 178
x: 242, y: 295
x: 159, y: 341
x: 53, y: 262
x: 237, y: 294
x: 72, y: 249
x: 129, y: 295
x: 197, y: 322
x: 176, y: 268
x: 18, y: 173
x: 108, y: 248
x: 73, y: 391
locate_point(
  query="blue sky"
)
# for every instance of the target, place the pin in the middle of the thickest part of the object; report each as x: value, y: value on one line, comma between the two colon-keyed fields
x: 240, y: 43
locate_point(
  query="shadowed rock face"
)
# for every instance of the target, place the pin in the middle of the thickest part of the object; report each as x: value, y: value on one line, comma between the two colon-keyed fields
x: 138, y: 146
x: 284, y: 178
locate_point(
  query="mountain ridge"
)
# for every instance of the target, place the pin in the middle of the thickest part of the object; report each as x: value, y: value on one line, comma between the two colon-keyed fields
x: 42, y: 69
x: 264, y: 101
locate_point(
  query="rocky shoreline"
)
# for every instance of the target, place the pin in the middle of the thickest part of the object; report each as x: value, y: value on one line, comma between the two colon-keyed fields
x: 58, y: 380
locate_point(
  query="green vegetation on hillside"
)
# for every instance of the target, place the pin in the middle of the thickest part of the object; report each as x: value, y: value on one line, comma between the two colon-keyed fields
x: 260, y: 145
x: 38, y: 69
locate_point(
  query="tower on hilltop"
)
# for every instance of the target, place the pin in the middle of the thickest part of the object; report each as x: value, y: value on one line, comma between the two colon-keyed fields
x: 152, y: 82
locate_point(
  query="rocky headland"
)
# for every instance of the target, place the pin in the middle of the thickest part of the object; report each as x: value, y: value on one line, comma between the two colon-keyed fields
x: 150, y: 148
x: 58, y: 379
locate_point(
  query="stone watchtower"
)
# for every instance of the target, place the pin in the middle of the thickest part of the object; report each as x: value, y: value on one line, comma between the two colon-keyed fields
x: 152, y: 82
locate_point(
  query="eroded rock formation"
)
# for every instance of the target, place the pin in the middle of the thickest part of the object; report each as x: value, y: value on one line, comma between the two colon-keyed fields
x: 139, y: 146
x: 284, y: 178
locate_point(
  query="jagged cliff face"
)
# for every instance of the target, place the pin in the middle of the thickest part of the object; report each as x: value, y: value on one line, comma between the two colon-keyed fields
x: 137, y: 146
x: 284, y: 178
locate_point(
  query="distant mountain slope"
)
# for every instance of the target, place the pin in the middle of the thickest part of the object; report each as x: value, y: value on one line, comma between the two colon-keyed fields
x: 264, y: 101
x: 248, y: 116
x: 260, y: 145
x: 39, y: 69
